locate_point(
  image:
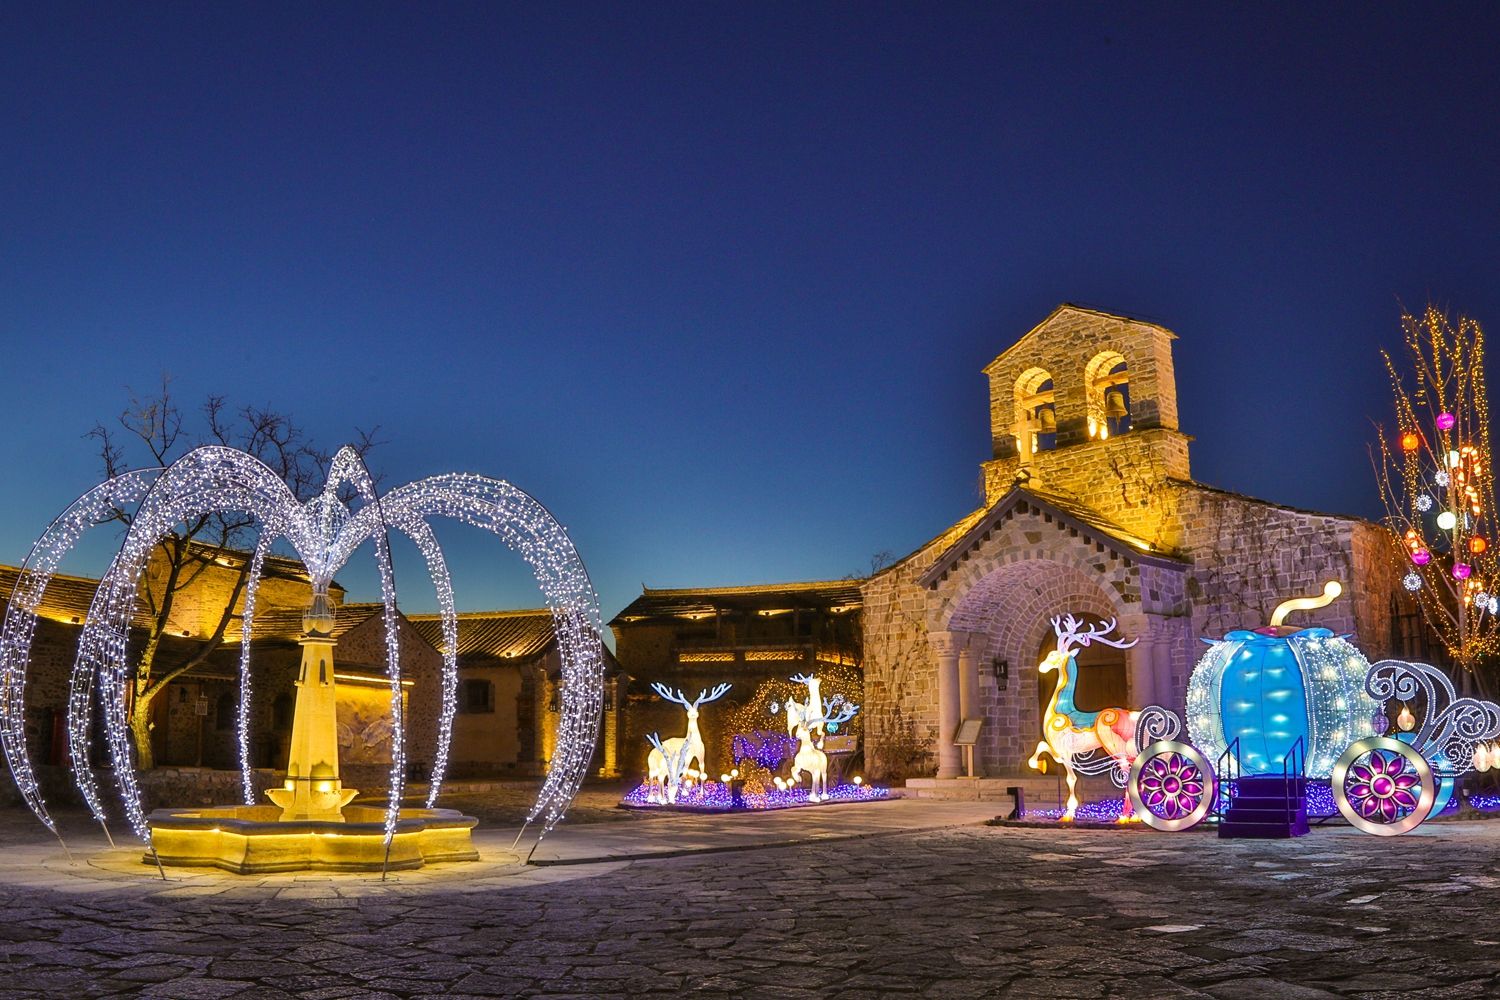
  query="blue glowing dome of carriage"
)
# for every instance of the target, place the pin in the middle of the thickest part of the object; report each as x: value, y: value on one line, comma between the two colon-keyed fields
x: 1268, y: 688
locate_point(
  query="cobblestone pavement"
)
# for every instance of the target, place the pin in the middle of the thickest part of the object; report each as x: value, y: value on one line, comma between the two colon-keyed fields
x: 967, y: 912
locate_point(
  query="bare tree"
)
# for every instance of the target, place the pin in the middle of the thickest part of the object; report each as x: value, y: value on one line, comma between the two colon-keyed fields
x: 155, y: 430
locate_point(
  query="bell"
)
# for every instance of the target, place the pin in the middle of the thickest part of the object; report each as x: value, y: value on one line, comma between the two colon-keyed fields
x: 1114, y: 405
x: 1048, y: 417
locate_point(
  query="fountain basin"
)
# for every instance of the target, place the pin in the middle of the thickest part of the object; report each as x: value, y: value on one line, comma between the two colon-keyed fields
x: 253, y: 840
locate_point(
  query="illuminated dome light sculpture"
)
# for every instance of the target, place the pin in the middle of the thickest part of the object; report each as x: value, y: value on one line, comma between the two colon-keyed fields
x: 324, y: 532
x: 1273, y: 686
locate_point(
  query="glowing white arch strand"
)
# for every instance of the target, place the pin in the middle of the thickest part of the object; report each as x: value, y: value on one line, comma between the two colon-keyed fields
x: 205, y: 481
x: 529, y: 529
x: 93, y: 508
x: 324, y: 533
x: 247, y: 628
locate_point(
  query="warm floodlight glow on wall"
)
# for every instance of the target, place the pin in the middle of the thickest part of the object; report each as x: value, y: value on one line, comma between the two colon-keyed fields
x: 324, y: 532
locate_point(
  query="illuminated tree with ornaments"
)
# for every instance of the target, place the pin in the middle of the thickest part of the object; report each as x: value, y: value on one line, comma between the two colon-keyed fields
x: 1437, y: 481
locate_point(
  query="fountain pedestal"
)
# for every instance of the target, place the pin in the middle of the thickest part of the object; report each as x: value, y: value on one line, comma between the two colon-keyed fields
x: 312, y: 789
x: 312, y: 825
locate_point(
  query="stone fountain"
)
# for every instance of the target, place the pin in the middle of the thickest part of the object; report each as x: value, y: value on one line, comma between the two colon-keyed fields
x: 311, y: 823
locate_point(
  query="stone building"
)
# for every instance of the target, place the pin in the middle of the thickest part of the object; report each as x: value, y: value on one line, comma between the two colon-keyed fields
x: 1090, y: 508
x: 695, y: 639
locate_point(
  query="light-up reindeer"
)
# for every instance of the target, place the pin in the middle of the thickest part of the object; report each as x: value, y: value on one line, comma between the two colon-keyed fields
x: 809, y: 723
x: 1071, y: 735
x: 671, y: 760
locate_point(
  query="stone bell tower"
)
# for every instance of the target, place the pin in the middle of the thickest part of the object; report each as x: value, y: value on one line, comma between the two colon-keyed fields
x: 1082, y: 401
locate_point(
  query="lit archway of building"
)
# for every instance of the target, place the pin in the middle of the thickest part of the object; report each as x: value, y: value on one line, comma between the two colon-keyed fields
x: 1005, y: 617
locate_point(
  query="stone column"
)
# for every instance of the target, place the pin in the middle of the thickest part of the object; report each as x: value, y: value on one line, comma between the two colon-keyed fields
x: 945, y: 648
x: 968, y: 686
x: 610, y: 732
x: 1141, y: 659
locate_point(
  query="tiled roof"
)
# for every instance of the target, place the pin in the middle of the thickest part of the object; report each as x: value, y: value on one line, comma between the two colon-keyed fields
x: 286, y: 623
x: 499, y: 635
x: 66, y: 599
x: 818, y: 596
x: 486, y: 634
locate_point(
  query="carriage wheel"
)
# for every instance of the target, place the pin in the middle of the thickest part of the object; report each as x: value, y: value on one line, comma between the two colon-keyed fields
x: 1384, y: 787
x: 1171, y: 786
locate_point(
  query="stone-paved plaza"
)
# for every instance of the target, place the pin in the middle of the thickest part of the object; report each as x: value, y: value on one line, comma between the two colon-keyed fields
x: 876, y: 903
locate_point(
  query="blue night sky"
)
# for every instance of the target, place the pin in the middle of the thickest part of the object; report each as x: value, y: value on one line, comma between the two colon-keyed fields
x: 715, y: 282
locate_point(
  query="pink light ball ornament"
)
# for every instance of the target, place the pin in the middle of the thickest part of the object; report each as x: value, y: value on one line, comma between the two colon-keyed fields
x: 1421, y: 557
x: 1461, y: 571
x: 1445, y: 421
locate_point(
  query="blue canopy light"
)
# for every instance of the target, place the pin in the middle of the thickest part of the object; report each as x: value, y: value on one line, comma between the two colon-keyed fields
x: 1272, y: 686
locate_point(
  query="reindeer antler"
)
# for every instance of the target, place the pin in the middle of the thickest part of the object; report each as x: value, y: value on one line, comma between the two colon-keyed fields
x: 704, y: 697
x: 804, y: 678
x: 1070, y: 631
x: 837, y: 712
x: 667, y: 693
x: 681, y: 699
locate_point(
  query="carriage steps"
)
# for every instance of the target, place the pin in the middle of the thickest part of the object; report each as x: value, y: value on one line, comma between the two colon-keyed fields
x: 1267, y: 807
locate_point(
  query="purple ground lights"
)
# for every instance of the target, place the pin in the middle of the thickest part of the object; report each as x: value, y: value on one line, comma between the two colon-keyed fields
x: 714, y: 796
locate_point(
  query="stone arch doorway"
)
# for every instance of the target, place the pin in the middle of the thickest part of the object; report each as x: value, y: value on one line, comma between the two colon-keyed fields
x: 1000, y: 626
x: 1103, y: 673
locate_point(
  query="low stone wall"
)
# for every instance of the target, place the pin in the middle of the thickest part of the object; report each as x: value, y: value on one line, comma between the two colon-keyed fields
x: 201, y: 786
x: 164, y: 786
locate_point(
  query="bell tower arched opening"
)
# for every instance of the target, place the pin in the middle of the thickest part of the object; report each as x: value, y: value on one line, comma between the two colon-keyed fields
x: 1106, y: 379
x: 1035, y: 426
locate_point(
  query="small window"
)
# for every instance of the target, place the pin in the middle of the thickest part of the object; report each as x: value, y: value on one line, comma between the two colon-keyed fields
x: 478, y: 697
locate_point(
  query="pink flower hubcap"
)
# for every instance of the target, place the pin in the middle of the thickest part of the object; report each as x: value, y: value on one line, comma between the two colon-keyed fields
x: 1382, y: 788
x: 1171, y: 786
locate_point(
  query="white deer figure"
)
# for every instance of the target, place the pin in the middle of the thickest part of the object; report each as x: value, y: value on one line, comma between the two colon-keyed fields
x: 1069, y: 732
x: 670, y: 760
x: 809, y: 723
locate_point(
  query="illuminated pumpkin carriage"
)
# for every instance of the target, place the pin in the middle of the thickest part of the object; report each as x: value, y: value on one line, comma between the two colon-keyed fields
x: 1284, y: 705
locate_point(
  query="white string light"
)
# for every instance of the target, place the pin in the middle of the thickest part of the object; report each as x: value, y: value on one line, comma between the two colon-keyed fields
x: 324, y: 533
x: 247, y: 627
x: 93, y: 508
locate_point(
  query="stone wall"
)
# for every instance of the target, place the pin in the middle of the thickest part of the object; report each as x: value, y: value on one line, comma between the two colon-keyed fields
x: 487, y: 742
x: 1123, y: 478
x: 363, y: 647
x: 200, y: 786
x: 900, y: 677
x: 199, y: 605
